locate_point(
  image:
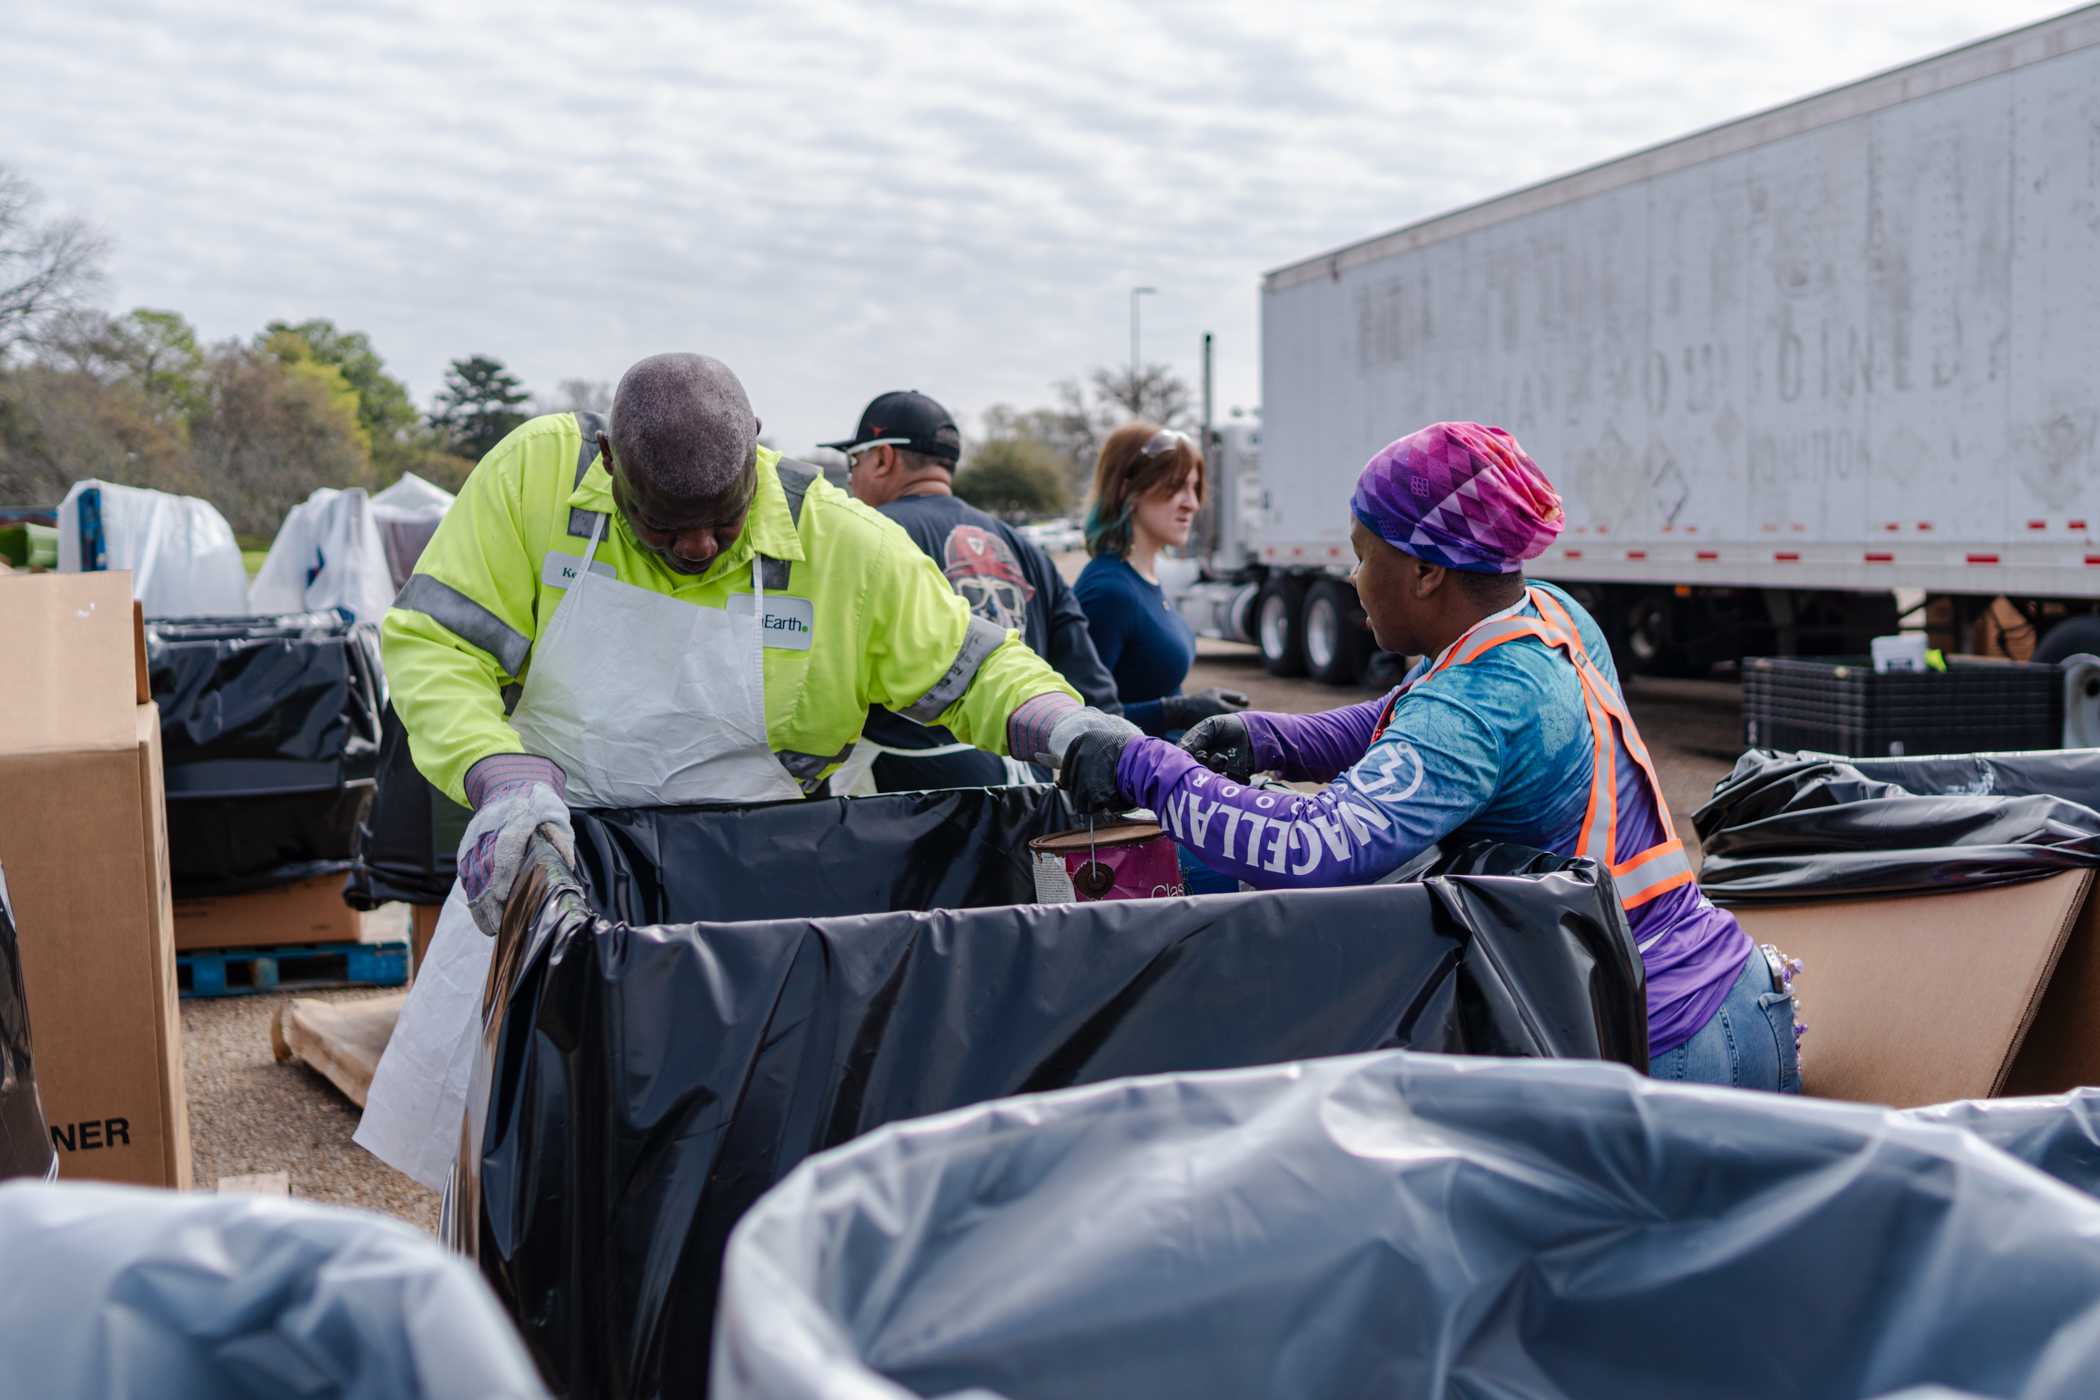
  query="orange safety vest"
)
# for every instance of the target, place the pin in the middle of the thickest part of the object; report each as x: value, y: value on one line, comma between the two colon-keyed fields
x: 1644, y: 875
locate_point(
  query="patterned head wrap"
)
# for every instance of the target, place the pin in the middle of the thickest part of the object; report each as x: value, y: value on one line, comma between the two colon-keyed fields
x: 1461, y: 495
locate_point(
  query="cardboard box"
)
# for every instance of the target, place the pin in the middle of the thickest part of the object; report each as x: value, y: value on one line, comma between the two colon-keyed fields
x: 84, y: 840
x: 422, y: 927
x: 306, y: 911
x: 1927, y: 998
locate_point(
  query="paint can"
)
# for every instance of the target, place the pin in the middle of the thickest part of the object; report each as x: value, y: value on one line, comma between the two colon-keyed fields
x: 1129, y: 860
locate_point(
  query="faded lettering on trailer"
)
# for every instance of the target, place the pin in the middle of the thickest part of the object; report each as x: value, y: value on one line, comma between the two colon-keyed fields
x: 1853, y: 342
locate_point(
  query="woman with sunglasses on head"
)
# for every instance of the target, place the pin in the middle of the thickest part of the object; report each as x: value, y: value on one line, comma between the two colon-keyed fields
x: 1148, y: 482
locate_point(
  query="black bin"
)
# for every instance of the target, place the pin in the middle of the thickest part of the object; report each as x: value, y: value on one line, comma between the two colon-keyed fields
x: 1841, y: 705
x: 269, y: 740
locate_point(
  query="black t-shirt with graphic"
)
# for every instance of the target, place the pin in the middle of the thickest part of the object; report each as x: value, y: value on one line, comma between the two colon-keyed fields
x: 1008, y: 581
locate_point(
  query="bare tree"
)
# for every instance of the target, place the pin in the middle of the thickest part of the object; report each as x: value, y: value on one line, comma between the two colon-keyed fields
x: 1155, y: 394
x: 1073, y: 428
x: 47, y: 265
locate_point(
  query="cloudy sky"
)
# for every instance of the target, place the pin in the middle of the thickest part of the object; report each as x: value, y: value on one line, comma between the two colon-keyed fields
x: 839, y: 199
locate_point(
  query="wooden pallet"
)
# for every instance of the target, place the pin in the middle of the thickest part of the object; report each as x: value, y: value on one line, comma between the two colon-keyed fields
x: 341, y: 1040
x: 233, y: 972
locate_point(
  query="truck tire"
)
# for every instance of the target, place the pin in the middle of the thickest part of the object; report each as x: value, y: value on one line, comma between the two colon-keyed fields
x: 1279, y: 618
x: 1336, y: 641
x: 2070, y: 637
x: 1648, y: 624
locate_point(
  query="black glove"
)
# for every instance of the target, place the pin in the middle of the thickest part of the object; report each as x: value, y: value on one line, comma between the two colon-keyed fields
x: 1223, y: 745
x: 1089, y: 769
x: 1181, y: 711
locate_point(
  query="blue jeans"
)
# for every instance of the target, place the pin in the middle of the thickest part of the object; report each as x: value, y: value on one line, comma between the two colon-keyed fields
x: 1747, y: 1043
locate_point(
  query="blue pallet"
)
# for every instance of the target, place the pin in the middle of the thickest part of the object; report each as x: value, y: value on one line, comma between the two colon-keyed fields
x: 240, y: 972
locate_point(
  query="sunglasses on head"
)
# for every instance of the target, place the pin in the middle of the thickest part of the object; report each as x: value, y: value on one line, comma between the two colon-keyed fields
x: 1165, y: 440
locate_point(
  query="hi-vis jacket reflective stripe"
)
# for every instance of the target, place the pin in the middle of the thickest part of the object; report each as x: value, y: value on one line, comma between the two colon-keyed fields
x: 863, y: 616
x: 1643, y: 875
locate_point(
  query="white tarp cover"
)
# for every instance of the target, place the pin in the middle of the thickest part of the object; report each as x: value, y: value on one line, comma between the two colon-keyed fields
x: 408, y: 513
x: 1408, y: 1224
x: 183, y: 559
x: 119, y: 1291
x: 328, y: 554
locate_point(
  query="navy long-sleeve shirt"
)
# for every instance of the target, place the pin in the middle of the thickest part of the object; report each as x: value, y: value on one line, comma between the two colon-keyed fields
x: 1008, y: 581
x: 1145, y: 644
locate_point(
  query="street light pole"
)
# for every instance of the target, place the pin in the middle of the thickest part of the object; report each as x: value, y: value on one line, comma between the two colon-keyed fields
x: 1135, y: 293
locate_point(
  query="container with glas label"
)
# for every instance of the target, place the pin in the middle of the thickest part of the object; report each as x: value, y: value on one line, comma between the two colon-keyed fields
x: 1126, y: 860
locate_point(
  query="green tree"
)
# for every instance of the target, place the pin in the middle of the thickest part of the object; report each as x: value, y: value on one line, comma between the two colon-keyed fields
x: 1014, y: 477
x: 478, y: 406
x: 156, y: 351
x: 272, y: 431
x: 384, y: 408
x: 160, y: 350
x: 291, y: 350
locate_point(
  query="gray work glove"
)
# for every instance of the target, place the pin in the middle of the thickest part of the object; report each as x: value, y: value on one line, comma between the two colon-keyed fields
x: 1078, y: 722
x: 1181, y: 711
x: 1085, y: 747
x: 1223, y: 745
x: 493, y: 851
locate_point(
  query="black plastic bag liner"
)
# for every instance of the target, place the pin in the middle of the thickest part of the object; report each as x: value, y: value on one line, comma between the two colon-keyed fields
x: 285, y: 703
x: 640, y: 1087
x: 270, y: 738
x: 25, y: 1140
x: 118, y: 1291
x: 1786, y: 826
x: 408, y: 839
x: 2058, y: 1134
x: 1404, y: 1225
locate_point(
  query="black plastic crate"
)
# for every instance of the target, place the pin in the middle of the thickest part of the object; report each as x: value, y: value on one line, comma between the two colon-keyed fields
x: 1841, y: 705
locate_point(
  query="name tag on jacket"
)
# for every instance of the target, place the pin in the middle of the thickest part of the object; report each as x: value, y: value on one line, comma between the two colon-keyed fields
x: 790, y: 622
x: 562, y: 570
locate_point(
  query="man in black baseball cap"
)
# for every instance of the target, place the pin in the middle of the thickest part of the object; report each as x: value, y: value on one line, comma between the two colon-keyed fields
x: 902, y: 421
x: 901, y: 460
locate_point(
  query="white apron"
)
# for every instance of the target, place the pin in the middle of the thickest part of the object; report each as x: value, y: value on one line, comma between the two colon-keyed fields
x: 642, y: 699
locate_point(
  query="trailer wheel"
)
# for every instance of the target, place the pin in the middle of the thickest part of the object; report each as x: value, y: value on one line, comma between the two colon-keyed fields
x: 1280, y: 626
x: 2070, y: 637
x: 1336, y: 641
x: 1650, y: 630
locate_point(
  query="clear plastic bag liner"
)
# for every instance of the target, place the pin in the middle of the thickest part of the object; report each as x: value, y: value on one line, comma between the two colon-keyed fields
x: 2058, y: 1134
x: 25, y: 1140
x: 118, y: 1291
x: 329, y: 553
x: 1786, y: 826
x: 1404, y: 1224
x: 183, y: 558
x: 857, y: 961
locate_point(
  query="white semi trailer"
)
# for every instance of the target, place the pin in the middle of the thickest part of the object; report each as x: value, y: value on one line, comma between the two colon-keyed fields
x: 1780, y: 370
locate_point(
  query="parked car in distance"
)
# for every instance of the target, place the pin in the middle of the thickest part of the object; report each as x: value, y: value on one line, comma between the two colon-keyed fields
x: 1056, y: 536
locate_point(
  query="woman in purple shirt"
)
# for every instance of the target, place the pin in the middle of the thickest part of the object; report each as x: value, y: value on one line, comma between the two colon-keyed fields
x: 1513, y: 728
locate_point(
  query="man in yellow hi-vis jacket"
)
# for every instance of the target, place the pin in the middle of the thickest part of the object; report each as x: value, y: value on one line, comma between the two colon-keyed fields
x: 655, y: 610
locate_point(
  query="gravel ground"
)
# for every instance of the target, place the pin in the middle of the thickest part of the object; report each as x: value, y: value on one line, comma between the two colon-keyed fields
x: 250, y: 1114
